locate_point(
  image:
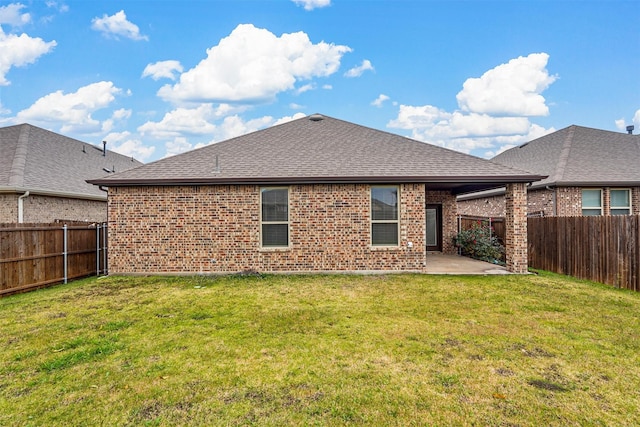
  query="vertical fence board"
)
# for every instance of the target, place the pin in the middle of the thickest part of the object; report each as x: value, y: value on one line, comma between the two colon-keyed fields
x: 604, y: 249
x: 31, y: 255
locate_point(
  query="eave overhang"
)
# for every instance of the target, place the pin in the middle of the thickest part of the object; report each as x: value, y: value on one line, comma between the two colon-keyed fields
x: 458, y: 184
x: 588, y: 184
x: 52, y: 193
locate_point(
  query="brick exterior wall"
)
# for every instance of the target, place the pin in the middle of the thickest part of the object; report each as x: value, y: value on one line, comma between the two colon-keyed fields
x: 449, y: 217
x: 486, y: 206
x: 193, y: 229
x: 541, y: 200
x: 516, y: 228
x: 8, y: 208
x: 568, y: 199
x: 43, y: 209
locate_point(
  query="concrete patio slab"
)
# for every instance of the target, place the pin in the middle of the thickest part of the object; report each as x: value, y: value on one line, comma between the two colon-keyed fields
x: 438, y: 263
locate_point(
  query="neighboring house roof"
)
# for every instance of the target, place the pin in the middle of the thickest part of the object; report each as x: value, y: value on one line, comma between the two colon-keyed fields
x: 576, y: 156
x: 321, y: 149
x: 579, y: 156
x: 43, y: 162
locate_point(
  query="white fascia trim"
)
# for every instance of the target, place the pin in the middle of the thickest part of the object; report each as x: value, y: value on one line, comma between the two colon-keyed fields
x: 51, y: 193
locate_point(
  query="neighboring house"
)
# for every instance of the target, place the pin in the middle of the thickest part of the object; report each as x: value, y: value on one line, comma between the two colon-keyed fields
x: 314, y: 194
x: 589, y: 172
x: 43, y: 176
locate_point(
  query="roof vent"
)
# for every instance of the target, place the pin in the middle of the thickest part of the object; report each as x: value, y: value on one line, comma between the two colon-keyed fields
x: 630, y: 129
x: 316, y: 117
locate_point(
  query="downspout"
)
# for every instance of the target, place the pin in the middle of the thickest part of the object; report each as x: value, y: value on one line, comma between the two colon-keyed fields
x: 555, y: 199
x: 21, y: 207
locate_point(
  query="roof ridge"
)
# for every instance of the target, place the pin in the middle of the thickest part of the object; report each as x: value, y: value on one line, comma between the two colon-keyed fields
x: 16, y: 174
x: 563, y: 159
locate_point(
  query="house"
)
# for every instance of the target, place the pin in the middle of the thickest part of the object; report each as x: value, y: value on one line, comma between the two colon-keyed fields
x: 589, y: 172
x: 313, y: 194
x: 43, y: 176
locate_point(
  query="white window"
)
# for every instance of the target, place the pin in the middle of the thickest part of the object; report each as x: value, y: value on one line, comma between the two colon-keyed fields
x: 591, y: 202
x: 620, y: 202
x: 274, y: 217
x: 385, y: 224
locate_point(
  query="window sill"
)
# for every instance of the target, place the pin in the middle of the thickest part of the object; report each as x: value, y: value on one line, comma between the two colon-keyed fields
x: 274, y: 249
x: 385, y: 248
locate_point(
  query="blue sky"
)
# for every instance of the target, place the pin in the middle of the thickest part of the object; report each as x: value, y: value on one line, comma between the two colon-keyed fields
x: 156, y: 78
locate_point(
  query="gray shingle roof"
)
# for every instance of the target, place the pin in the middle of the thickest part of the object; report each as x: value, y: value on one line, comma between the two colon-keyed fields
x: 579, y: 156
x: 326, y: 150
x: 41, y: 161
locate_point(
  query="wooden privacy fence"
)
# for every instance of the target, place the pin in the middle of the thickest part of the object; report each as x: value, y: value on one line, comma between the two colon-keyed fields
x: 604, y: 249
x: 37, y: 255
x: 496, y: 225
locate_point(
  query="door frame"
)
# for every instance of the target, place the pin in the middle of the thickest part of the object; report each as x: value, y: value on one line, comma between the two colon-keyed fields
x: 438, y: 208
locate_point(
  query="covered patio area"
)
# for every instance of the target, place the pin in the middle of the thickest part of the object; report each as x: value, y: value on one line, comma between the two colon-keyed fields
x: 439, y: 263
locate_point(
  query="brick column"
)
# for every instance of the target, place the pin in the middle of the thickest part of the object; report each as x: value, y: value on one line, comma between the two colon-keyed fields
x: 516, y: 228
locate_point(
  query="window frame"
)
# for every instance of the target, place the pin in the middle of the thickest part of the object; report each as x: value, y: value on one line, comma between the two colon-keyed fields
x: 287, y: 222
x: 628, y: 208
x: 385, y: 221
x: 600, y: 208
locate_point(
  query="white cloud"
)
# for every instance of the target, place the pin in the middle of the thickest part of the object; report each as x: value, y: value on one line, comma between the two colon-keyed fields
x: 72, y: 111
x: 511, y: 89
x: 11, y: 14
x: 253, y: 64
x: 327, y: 87
x: 305, y: 88
x: 233, y: 126
x: 465, y: 132
x: 116, y: 26
x: 17, y: 51
x: 3, y: 111
x: 60, y: 7
x: 621, y: 124
x: 162, y: 69
x: 430, y: 122
x: 492, y: 154
x: 295, y: 106
x: 117, y: 116
x: 202, y: 131
x: 181, y: 121
x: 312, y: 4
x: 483, y: 122
x: 177, y: 146
x: 357, y: 71
x: 380, y: 100
x: 125, y: 144
x: 286, y: 119
x: 121, y: 114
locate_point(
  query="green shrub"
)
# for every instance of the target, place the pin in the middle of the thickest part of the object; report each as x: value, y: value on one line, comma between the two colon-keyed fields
x: 478, y: 242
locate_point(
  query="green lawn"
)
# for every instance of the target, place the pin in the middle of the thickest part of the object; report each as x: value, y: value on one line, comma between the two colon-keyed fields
x: 321, y: 350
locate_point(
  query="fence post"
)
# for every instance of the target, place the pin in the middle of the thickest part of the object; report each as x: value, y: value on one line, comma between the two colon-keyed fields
x: 459, y: 230
x: 490, y: 230
x: 64, y: 252
x: 104, y: 248
x: 98, y: 249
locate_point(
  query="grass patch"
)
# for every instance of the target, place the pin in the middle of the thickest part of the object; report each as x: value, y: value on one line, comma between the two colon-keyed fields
x: 321, y: 350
